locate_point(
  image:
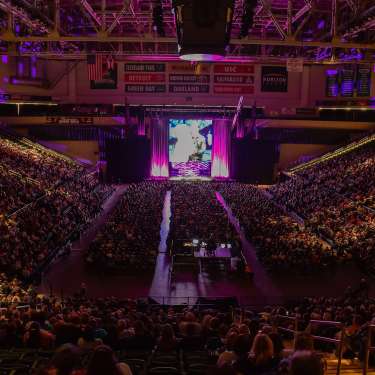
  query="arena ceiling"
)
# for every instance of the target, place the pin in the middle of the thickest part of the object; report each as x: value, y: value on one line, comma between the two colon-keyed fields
x: 317, y: 30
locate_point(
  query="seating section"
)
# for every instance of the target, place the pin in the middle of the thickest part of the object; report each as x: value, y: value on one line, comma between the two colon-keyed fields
x: 281, y: 242
x: 46, y: 200
x: 156, y: 339
x: 131, y: 236
x: 197, y: 213
x: 335, y: 197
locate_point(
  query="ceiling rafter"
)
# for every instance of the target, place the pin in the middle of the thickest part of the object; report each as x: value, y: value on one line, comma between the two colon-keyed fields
x: 87, y: 8
x: 22, y: 15
x: 153, y: 39
x: 280, y: 29
x: 116, y: 21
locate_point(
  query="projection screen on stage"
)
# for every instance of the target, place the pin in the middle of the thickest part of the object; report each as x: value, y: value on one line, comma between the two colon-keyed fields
x: 190, y: 147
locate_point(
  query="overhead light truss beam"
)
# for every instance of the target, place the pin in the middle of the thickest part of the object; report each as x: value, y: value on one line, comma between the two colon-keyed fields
x: 153, y: 39
x: 91, y: 12
x: 21, y: 15
x: 279, y: 28
x: 116, y: 21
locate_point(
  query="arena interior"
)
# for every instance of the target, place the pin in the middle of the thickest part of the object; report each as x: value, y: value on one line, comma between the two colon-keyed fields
x: 187, y: 187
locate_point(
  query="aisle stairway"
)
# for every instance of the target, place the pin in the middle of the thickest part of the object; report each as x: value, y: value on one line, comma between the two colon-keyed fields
x: 347, y: 367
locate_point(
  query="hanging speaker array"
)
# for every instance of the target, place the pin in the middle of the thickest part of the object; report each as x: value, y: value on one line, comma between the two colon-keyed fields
x: 203, y: 28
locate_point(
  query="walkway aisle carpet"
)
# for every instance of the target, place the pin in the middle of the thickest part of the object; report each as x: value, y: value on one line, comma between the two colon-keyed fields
x: 262, y: 281
x: 161, y: 281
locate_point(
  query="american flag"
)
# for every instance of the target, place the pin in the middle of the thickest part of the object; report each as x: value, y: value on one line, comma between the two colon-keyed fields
x: 95, y: 67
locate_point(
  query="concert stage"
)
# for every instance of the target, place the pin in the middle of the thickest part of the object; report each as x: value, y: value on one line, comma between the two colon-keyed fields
x: 197, y: 256
x: 190, y: 147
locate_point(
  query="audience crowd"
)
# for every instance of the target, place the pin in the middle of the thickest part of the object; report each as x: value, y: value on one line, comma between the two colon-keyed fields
x: 27, y: 171
x: 131, y: 235
x: 55, y: 200
x: 282, y: 243
x: 336, y: 200
x: 197, y: 214
x: 84, y: 334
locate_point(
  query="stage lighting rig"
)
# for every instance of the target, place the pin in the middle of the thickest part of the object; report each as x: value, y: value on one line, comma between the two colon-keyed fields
x: 157, y: 18
x: 247, y: 17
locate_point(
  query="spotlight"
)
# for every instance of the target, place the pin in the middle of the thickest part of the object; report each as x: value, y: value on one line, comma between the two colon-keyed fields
x: 247, y: 17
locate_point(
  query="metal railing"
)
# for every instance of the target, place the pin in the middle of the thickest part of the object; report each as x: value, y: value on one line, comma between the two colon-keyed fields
x: 339, y: 342
x: 369, y: 348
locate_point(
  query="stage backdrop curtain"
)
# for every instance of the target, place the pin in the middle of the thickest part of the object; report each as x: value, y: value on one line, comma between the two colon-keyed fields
x: 159, y: 152
x: 221, y: 149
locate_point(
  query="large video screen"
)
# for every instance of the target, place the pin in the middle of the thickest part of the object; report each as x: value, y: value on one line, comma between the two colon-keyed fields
x: 190, y: 147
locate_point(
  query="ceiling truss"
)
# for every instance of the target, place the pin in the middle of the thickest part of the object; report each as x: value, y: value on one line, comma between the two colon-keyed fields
x: 317, y: 30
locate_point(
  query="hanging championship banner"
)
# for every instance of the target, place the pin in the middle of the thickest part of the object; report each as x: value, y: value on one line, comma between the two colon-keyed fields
x: 142, y: 77
x: 347, y: 82
x: 198, y: 89
x: 184, y: 67
x: 234, y: 69
x: 233, y: 89
x: 189, y: 78
x: 145, y: 89
x: 232, y: 79
x: 332, y: 83
x: 274, y: 79
x: 140, y: 67
x: 363, y: 80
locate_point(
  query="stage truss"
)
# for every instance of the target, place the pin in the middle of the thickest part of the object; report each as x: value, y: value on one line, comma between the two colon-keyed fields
x: 317, y: 30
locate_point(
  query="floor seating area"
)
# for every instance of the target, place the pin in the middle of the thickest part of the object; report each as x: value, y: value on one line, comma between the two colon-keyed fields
x: 130, y: 237
x: 282, y: 243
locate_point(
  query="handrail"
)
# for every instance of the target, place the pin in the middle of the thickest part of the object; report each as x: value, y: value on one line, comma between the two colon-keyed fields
x: 333, y: 154
x: 333, y: 341
x: 369, y: 347
x: 340, y: 341
x: 326, y: 323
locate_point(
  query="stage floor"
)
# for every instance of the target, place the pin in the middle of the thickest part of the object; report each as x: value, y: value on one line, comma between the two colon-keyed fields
x: 66, y: 275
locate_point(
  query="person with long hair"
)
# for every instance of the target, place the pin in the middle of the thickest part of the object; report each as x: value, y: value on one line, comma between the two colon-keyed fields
x: 261, y: 360
x: 66, y: 361
x: 103, y: 361
x: 167, y: 341
x: 35, y: 337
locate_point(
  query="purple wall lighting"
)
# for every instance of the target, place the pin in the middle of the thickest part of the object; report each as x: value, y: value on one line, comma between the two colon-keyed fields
x: 220, y: 149
x: 20, y: 67
x: 4, y: 59
x: 159, y: 150
x: 33, y: 62
x: 332, y: 83
x: 321, y: 24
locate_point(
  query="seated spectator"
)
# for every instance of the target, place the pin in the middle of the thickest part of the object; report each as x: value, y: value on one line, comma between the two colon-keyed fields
x: 167, y: 341
x: 141, y: 339
x: 87, y: 341
x: 103, y: 362
x: 37, y: 338
x: 261, y: 359
x: 66, y: 361
x: 306, y: 363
